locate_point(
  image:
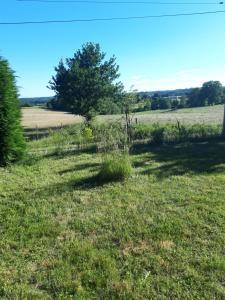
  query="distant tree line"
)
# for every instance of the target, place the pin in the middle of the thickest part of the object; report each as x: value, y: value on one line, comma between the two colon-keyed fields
x: 211, y: 93
x: 28, y: 102
x: 155, y: 102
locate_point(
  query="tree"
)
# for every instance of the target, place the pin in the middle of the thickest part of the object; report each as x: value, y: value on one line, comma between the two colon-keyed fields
x: 85, y: 79
x: 182, y: 102
x: 155, y: 103
x: 212, y: 93
x: 147, y: 104
x: 12, y: 144
x: 193, y: 98
x: 164, y: 103
x: 174, y: 104
x: 107, y: 106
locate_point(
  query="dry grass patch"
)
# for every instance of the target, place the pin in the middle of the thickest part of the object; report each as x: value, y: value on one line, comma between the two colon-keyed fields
x: 44, y: 118
x: 136, y: 248
x: 167, y: 245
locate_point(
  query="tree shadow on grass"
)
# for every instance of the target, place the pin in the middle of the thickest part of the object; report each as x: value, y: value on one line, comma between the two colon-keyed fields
x: 52, y: 190
x: 58, y: 189
x: 80, y: 167
x: 61, y: 154
x: 201, y: 157
x: 89, y: 183
x: 36, y: 133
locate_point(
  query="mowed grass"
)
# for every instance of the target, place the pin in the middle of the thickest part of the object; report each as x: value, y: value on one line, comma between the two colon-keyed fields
x: 158, y: 235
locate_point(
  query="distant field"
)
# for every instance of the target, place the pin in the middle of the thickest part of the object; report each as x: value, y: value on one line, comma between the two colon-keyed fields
x: 43, y: 118
x: 208, y: 115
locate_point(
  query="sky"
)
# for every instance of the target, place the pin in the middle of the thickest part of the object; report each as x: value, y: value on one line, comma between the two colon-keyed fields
x: 153, y: 54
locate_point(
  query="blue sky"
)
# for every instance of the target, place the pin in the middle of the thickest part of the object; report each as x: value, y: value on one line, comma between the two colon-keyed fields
x: 153, y: 54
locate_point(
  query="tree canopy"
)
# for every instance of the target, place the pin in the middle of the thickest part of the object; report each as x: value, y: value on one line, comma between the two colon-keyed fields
x: 86, y: 80
x: 212, y: 92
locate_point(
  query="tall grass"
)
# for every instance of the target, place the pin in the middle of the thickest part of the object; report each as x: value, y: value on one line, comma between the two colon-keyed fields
x: 112, y: 137
x: 115, y: 166
x: 175, y: 133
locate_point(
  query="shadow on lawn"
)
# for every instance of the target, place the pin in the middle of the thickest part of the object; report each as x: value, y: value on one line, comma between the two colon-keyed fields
x: 80, y: 167
x: 164, y: 161
x: 204, y: 157
x: 61, y: 154
x: 36, y: 133
x: 58, y: 189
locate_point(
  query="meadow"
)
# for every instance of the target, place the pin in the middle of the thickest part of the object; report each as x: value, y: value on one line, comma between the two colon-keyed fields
x: 203, y: 115
x: 37, y: 121
x: 40, y: 118
x: 159, y: 234
x: 43, y: 118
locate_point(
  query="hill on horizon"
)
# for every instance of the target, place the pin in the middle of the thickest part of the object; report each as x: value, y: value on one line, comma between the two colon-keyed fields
x: 34, y: 100
x: 44, y: 100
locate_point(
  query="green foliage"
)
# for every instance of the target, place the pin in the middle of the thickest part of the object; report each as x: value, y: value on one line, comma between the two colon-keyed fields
x: 182, y: 102
x: 157, y: 135
x: 175, y: 104
x: 165, y: 103
x: 147, y: 105
x: 88, y: 133
x: 194, y: 98
x: 175, y: 133
x: 128, y: 101
x: 115, y: 166
x: 84, y: 80
x: 12, y: 143
x: 160, y: 102
x: 110, y: 137
x: 109, y: 106
x: 62, y: 140
x: 155, y: 104
x: 212, y: 92
x: 143, y: 103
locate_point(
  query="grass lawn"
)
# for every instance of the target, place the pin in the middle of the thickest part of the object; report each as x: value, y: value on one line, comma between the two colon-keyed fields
x: 158, y: 235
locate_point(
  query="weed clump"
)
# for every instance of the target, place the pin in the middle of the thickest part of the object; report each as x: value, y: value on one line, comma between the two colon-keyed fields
x: 116, y: 166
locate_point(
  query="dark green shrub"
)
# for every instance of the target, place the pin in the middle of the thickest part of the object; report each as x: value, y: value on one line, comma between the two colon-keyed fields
x: 12, y: 143
x: 115, y: 166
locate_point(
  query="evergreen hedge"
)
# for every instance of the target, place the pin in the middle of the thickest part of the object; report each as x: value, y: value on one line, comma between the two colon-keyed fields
x: 12, y: 143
